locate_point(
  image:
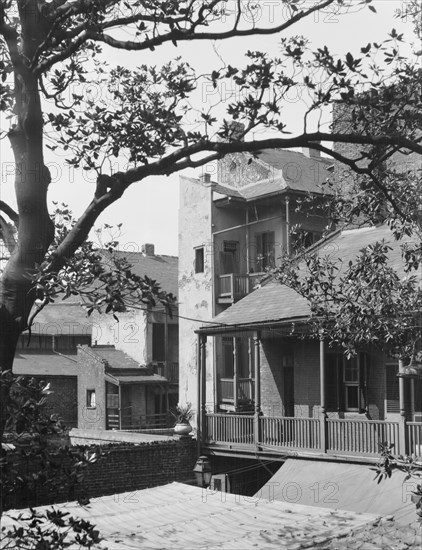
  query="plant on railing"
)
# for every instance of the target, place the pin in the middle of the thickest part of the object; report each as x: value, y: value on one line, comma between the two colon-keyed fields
x: 182, y: 413
x: 410, y: 465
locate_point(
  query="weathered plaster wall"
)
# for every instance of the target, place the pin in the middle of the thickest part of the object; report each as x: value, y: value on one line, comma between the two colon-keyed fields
x: 129, y: 334
x: 195, y: 289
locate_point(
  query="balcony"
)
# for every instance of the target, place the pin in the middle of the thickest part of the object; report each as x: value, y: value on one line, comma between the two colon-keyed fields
x: 232, y: 287
x: 168, y: 369
x: 312, y: 436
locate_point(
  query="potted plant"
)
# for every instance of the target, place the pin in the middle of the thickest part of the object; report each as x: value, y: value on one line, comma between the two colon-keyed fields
x: 183, y: 415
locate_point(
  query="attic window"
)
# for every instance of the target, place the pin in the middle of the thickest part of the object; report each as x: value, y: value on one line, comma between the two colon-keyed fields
x: 199, y: 260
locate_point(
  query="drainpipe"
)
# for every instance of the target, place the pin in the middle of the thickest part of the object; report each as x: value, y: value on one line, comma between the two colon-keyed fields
x: 322, y: 378
x: 247, y: 247
x: 287, y: 225
x: 198, y: 394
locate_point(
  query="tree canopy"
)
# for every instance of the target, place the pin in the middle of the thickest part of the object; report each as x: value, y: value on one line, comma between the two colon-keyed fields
x: 50, y: 50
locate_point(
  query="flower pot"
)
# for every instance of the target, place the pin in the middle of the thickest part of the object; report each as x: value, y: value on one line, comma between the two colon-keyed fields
x: 182, y: 429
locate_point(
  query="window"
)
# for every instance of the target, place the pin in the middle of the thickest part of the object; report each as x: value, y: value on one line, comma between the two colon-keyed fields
x: 265, y: 247
x: 228, y: 360
x: 90, y: 399
x: 346, y: 382
x: 199, y: 260
x: 158, y: 345
x: 229, y: 257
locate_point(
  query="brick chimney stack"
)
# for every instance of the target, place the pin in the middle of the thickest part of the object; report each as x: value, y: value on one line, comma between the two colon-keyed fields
x: 311, y: 153
x: 148, y: 249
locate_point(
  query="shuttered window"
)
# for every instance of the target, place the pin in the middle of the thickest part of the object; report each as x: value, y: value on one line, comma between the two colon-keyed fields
x: 392, y: 390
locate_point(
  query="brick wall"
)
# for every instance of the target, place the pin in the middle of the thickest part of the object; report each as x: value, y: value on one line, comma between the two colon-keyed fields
x: 271, y: 378
x: 63, y: 399
x: 125, y: 468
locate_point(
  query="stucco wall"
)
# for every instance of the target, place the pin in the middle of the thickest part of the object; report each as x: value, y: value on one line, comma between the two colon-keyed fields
x: 195, y: 289
x: 129, y: 334
x: 91, y: 376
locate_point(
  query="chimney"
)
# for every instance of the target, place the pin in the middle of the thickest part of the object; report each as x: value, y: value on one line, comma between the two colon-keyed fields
x: 148, y: 249
x: 311, y: 153
x: 205, y: 178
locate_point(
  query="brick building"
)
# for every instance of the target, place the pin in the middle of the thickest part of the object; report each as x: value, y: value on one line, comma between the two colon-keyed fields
x: 264, y: 388
x: 138, y: 337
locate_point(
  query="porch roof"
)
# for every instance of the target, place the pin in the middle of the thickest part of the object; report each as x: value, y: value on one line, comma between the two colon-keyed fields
x: 120, y: 379
x: 272, y: 303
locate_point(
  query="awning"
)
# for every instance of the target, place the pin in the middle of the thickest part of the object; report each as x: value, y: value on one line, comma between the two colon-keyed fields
x: 179, y: 516
x: 120, y: 379
x: 337, y: 485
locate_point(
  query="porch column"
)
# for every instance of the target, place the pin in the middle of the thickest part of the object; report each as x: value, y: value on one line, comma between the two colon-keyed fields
x: 198, y: 393
x: 402, y: 422
x: 257, y: 397
x: 166, y: 347
x: 203, y: 377
x: 323, y: 397
x: 287, y: 225
x: 120, y: 407
x: 235, y: 374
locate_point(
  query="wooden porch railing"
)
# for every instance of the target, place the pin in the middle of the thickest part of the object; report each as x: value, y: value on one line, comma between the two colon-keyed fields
x: 361, y: 436
x: 297, y: 433
x: 245, y: 389
x: 348, y: 436
x: 234, y: 286
x: 414, y: 438
x: 169, y: 369
x: 233, y: 428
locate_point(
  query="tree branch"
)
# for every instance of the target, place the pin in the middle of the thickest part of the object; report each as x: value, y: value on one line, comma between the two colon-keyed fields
x: 363, y: 171
x: 8, y: 210
x: 174, y: 35
x: 170, y: 163
x: 6, y: 233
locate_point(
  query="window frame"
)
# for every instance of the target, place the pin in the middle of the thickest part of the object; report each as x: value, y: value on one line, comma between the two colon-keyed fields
x: 90, y: 392
x: 345, y: 386
x: 199, y: 261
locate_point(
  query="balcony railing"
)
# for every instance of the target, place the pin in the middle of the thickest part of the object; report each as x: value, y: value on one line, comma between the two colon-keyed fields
x: 232, y: 286
x: 332, y: 436
x: 361, y: 436
x: 245, y: 390
x: 296, y: 433
x: 168, y: 369
x: 414, y: 434
x: 233, y: 428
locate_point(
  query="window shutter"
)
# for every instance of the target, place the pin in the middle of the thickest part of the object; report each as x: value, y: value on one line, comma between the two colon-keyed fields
x: 392, y: 393
x: 331, y: 382
x: 363, y: 382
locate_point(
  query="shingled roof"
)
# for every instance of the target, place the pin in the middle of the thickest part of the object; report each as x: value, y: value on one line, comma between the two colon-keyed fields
x: 276, y: 303
x: 161, y: 268
x: 70, y: 317
x: 294, y: 171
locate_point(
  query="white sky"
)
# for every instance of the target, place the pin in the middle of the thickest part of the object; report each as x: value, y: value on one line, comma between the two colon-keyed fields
x: 149, y: 209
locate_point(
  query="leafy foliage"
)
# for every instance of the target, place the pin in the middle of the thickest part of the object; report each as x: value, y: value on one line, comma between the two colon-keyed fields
x: 411, y: 466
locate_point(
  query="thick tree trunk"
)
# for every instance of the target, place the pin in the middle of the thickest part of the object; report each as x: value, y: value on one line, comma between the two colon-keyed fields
x: 36, y: 230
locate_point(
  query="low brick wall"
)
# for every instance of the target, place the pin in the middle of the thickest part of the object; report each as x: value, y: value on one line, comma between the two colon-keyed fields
x: 126, y: 467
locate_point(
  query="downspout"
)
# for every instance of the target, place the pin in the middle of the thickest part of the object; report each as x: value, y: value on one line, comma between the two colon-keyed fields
x: 287, y: 226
